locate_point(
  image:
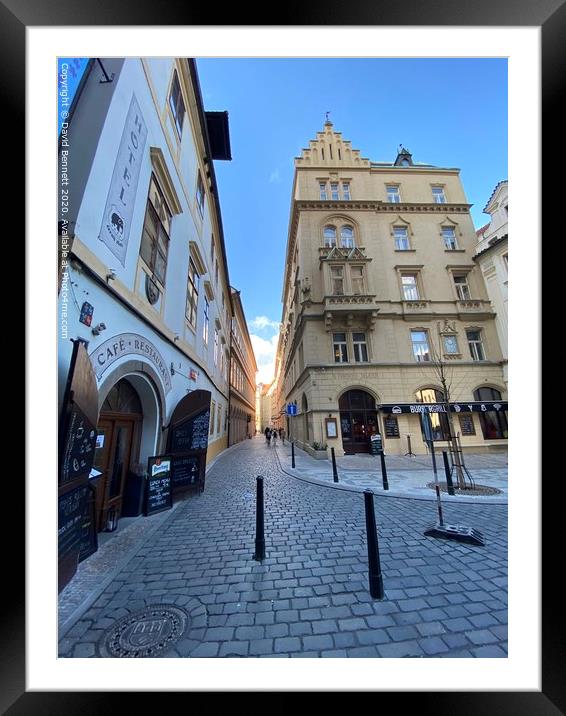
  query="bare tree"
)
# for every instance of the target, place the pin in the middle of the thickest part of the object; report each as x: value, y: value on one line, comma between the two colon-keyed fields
x: 443, y: 372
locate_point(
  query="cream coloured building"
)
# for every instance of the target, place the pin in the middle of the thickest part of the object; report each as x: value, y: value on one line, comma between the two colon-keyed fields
x: 243, y: 369
x: 492, y: 258
x: 380, y: 281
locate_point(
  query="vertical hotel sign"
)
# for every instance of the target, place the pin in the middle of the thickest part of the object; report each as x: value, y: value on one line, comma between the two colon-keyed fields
x: 117, y: 220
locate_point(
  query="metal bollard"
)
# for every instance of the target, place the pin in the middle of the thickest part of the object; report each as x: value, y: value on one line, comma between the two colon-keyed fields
x: 375, y: 578
x: 259, y: 523
x: 383, y: 470
x: 409, y: 453
x: 334, y: 470
x: 293, y: 453
x: 449, y: 484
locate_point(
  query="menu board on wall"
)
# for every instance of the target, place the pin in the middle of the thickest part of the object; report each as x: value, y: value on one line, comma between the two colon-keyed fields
x: 191, y: 434
x: 71, y: 508
x: 89, y: 538
x: 391, y: 426
x: 185, y: 470
x: 467, y: 424
x: 158, y: 485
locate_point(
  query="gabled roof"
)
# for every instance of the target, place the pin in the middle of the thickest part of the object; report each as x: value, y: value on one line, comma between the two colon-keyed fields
x: 500, y: 183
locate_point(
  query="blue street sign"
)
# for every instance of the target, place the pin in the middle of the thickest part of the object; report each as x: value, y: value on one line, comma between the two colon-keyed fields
x: 291, y: 409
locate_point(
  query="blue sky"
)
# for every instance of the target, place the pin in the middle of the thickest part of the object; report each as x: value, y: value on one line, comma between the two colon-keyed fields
x: 448, y: 112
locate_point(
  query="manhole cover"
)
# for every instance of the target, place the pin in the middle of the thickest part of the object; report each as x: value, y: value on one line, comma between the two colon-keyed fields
x: 145, y: 633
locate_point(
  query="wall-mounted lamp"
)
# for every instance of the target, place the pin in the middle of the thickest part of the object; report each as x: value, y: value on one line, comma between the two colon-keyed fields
x: 111, y: 275
x: 97, y: 330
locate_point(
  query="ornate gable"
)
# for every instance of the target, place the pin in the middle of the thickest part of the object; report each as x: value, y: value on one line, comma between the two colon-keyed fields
x: 329, y: 149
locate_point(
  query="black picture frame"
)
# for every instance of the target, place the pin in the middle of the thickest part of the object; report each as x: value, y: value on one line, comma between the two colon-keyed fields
x: 550, y: 16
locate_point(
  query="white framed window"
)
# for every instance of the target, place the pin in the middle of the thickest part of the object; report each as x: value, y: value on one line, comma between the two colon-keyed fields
x: 334, y: 191
x: 421, y: 350
x: 330, y: 236
x: 192, y: 295
x: 216, y: 346
x: 154, y: 248
x: 200, y: 194
x: 393, y: 194
x: 340, y: 347
x: 401, y: 235
x: 360, y: 347
x: 346, y: 191
x: 176, y: 104
x: 357, y: 278
x: 322, y: 189
x: 450, y: 344
x: 347, y: 237
x: 438, y: 195
x: 462, y: 287
x: 475, y: 344
x: 410, y: 287
x: 449, y: 237
x: 337, y: 280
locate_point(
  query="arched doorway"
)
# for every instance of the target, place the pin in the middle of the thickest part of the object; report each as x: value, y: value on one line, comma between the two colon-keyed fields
x: 358, y: 420
x: 117, y: 448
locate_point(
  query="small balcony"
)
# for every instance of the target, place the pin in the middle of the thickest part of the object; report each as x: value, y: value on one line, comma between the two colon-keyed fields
x: 347, y: 309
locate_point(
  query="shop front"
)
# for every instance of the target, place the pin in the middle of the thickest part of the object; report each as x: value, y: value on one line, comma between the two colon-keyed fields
x: 358, y: 421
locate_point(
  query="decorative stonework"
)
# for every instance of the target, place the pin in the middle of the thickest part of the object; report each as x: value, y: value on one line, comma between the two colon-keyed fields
x: 352, y: 299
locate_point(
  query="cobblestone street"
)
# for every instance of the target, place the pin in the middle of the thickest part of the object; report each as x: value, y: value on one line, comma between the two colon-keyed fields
x: 309, y: 597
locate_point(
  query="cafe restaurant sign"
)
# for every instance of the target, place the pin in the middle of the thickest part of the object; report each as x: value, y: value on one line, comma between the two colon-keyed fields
x: 126, y: 344
x: 470, y: 407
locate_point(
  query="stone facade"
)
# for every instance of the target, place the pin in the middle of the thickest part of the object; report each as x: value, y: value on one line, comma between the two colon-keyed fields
x: 380, y: 293
x: 243, y: 369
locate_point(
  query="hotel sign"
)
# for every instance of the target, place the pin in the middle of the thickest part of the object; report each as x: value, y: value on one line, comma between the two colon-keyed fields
x: 421, y: 408
x: 117, y: 219
x: 126, y: 344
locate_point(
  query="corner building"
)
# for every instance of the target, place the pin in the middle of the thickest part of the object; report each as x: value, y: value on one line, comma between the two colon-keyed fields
x: 380, y: 285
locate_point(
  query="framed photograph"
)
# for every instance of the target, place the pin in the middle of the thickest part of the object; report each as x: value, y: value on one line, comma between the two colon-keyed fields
x: 34, y: 681
x: 331, y: 427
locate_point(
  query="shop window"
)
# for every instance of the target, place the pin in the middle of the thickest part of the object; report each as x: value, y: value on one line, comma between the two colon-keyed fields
x: 493, y: 422
x: 438, y: 421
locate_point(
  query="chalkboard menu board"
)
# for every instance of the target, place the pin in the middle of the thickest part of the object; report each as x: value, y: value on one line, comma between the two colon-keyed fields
x: 185, y: 470
x: 89, y: 538
x: 72, y: 508
x: 467, y: 424
x: 375, y: 444
x: 391, y: 426
x: 191, y: 434
x: 80, y: 442
x: 158, y: 485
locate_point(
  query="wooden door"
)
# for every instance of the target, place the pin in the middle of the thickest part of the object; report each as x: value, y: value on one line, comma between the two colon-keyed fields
x: 112, y: 459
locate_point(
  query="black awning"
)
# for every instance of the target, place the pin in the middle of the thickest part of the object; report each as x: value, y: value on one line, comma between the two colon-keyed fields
x: 469, y: 407
x: 218, y: 134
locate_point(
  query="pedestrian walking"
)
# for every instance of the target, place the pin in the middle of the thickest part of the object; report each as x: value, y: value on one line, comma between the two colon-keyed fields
x: 282, y: 435
x: 267, y: 433
x: 274, y: 435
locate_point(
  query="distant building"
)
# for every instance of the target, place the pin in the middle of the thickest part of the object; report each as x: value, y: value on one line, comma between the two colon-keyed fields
x: 492, y: 257
x: 379, y: 282
x: 243, y: 369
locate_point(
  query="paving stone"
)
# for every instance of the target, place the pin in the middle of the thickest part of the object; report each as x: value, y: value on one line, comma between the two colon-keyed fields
x: 234, y: 648
x: 483, y: 636
x: 432, y: 646
x: 290, y: 643
x: 206, y: 649
x: 489, y: 652
x: 318, y: 643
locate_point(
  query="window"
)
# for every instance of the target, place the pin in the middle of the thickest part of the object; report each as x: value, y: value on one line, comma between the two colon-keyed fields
x: 438, y: 195
x: 451, y: 344
x: 216, y: 346
x: 212, y: 249
x: 493, y: 422
x: 462, y: 288
x: 506, y: 262
x: 360, y: 347
x: 401, y: 238
x: 216, y: 273
x: 393, y: 194
x: 357, y: 276
x: 155, y: 236
x: 337, y: 280
x: 476, y: 345
x: 329, y: 236
x: 449, y: 236
x: 438, y: 421
x: 347, y: 237
x: 334, y: 191
x: 200, y: 194
x: 176, y: 103
x: 346, y: 190
x: 212, y: 407
x: 322, y: 187
x: 340, y: 348
x: 410, y: 288
x: 192, y: 294
x: 420, y: 346
x: 221, y: 362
